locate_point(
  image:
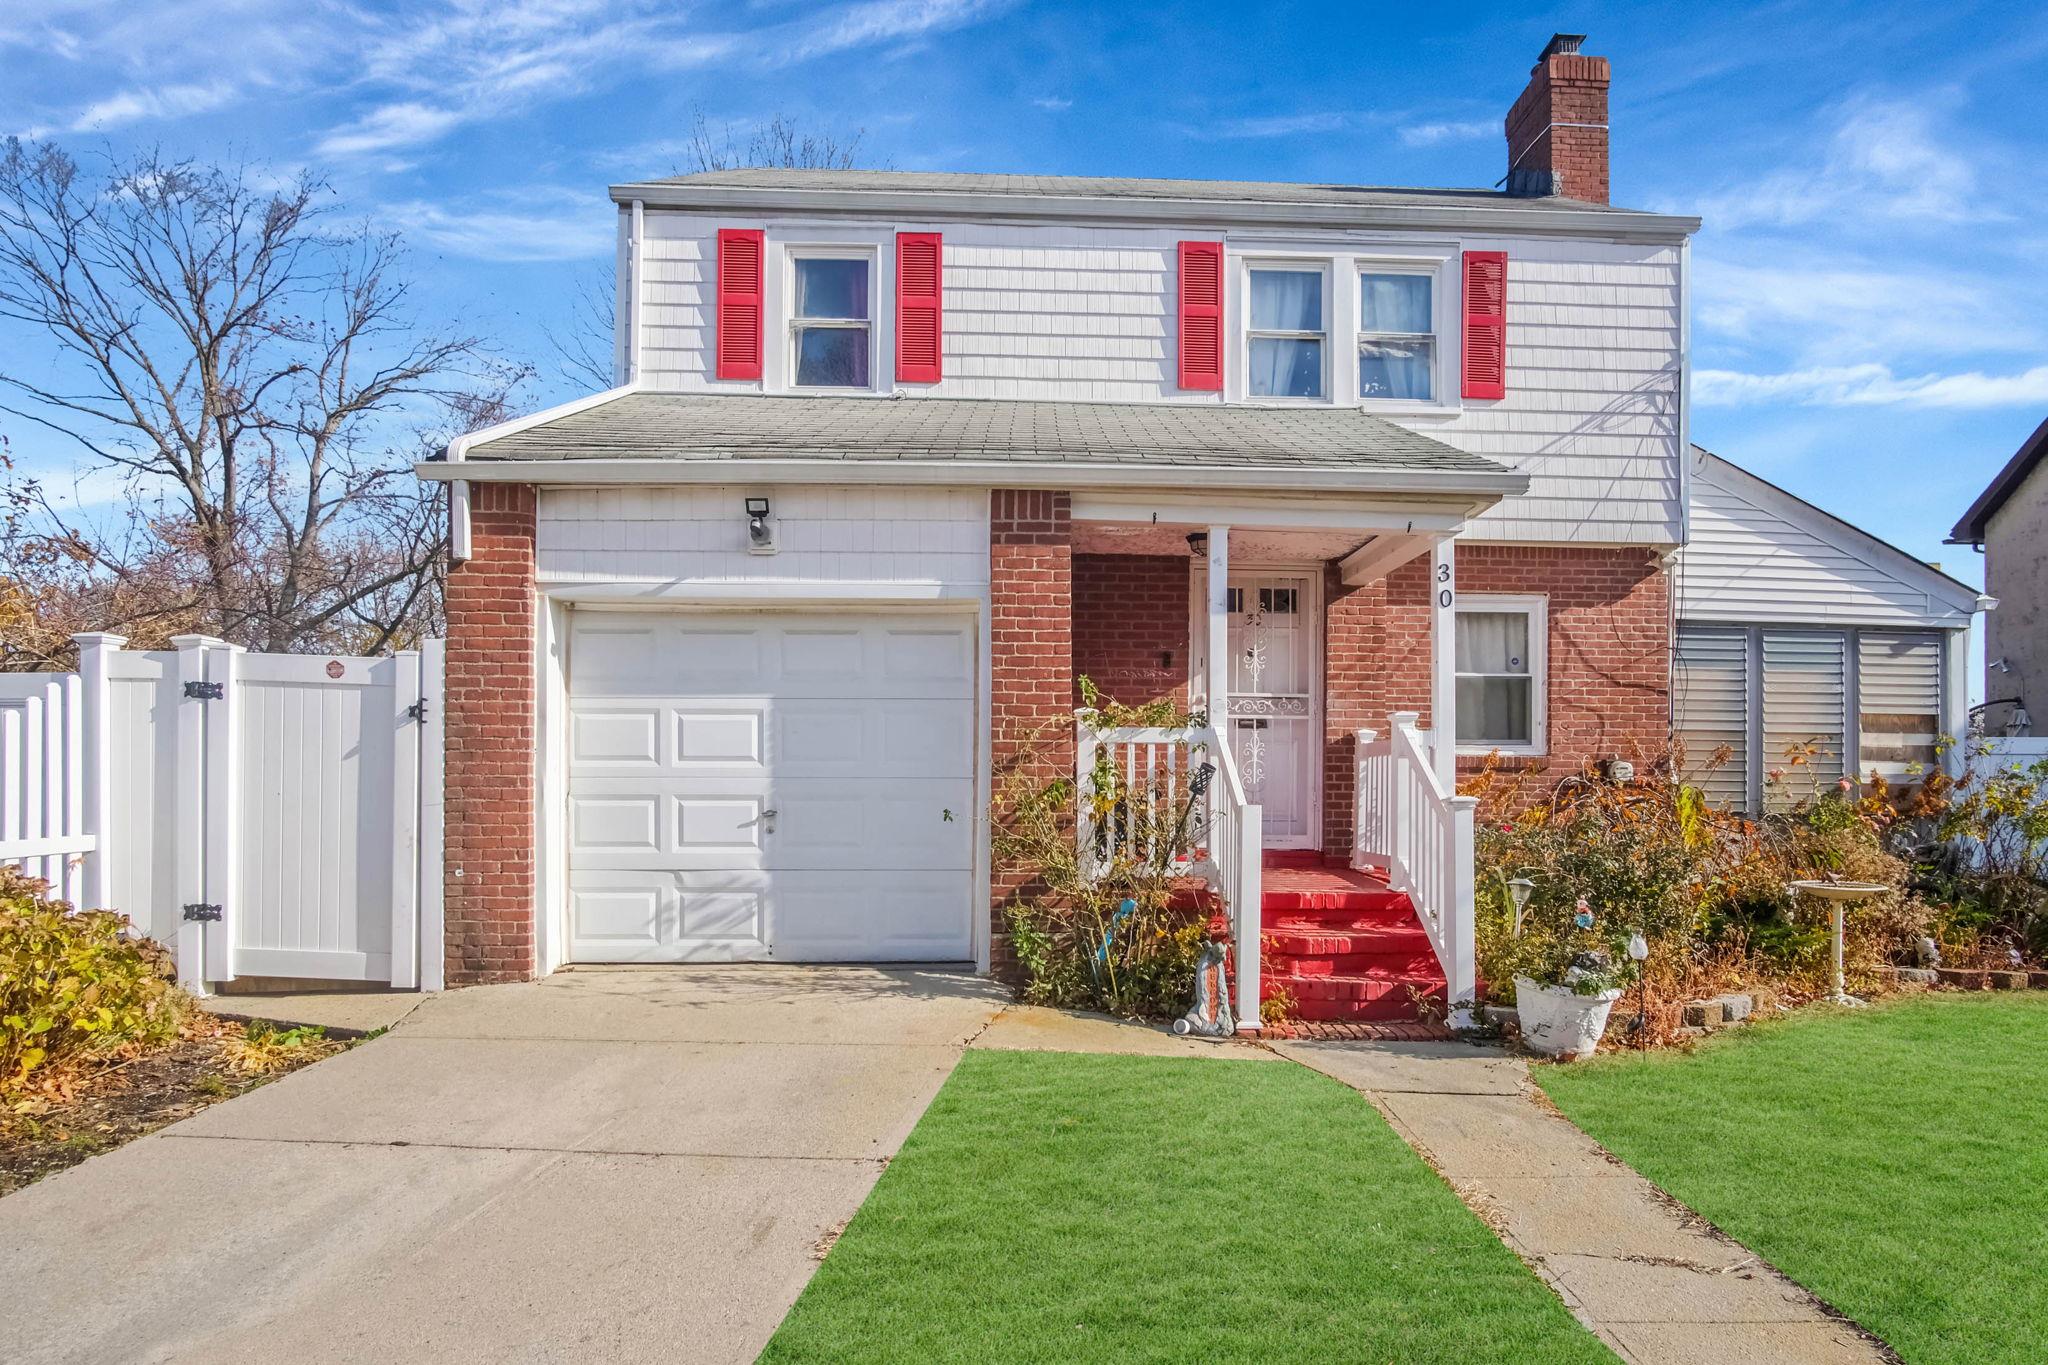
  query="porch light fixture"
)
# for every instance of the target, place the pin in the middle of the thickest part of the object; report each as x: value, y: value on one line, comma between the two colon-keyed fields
x: 760, y: 535
x: 1520, y: 889
x: 1198, y: 544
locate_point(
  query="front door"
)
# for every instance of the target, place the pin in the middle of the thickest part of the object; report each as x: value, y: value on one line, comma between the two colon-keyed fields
x: 1272, y: 721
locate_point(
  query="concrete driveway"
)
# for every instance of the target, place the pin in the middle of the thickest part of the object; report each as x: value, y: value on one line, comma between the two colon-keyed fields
x: 607, y: 1165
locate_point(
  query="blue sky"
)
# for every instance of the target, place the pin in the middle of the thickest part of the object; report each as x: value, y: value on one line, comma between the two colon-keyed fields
x: 1870, y: 287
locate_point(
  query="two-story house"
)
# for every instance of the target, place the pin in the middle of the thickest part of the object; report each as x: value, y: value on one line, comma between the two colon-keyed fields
x: 1381, y: 481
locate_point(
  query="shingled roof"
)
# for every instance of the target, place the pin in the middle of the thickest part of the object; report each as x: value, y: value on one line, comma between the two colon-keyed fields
x: 739, y: 428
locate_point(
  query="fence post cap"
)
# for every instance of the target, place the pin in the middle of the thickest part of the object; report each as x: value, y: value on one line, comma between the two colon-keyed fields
x: 100, y: 637
x: 1404, y: 717
x: 196, y: 641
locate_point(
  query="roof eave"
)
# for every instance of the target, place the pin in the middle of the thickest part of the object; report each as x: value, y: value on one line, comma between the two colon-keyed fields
x: 1975, y: 522
x: 926, y: 205
x: 1485, y: 488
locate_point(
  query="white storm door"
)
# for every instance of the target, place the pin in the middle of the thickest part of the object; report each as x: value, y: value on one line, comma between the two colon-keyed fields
x: 1272, y: 701
x: 795, y: 787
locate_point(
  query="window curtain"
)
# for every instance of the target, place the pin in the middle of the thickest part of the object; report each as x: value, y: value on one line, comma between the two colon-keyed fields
x: 1287, y: 301
x: 1395, y: 303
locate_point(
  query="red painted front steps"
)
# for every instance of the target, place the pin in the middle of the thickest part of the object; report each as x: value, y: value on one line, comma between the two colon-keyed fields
x: 1344, y: 945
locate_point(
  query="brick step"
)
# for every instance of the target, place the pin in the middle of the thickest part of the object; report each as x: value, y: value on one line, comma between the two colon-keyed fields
x: 1323, y: 923
x: 1313, y: 939
x: 1416, y: 965
x: 1290, y: 902
x: 1389, y: 997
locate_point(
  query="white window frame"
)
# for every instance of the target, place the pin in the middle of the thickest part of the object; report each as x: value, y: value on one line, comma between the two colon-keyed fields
x: 1293, y: 265
x: 1536, y: 606
x: 1434, y: 272
x: 793, y: 325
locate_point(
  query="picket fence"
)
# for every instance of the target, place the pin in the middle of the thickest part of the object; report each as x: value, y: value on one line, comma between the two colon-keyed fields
x: 266, y: 815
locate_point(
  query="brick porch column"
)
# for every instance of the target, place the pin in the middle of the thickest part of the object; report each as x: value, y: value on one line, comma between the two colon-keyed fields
x: 1031, y: 656
x: 490, y: 879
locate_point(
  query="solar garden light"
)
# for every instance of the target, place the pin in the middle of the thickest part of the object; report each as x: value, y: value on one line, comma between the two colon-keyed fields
x: 1639, y: 953
x: 1521, y: 888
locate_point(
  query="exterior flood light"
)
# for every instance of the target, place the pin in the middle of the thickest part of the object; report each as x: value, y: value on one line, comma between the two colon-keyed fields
x: 760, y: 535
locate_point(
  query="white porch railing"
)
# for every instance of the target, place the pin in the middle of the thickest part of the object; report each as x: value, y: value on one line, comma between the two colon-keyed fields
x: 1158, y: 768
x: 1422, y: 835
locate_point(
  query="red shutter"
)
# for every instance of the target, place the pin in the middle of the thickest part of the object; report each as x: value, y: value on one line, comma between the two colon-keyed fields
x: 1201, y: 315
x: 920, y: 307
x: 740, y: 252
x: 1486, y: 324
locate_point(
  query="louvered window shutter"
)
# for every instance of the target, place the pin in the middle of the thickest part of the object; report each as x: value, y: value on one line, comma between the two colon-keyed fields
x: 1710, y: 701
x: 1486, y: 325
x: 1805, y: 703
x: 920, y: 307
x: 1201, y: 315
x: 740, y: 271
x: 1898, y: 685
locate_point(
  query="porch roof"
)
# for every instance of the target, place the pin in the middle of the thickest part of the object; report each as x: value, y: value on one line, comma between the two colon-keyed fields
x: 987, y: 440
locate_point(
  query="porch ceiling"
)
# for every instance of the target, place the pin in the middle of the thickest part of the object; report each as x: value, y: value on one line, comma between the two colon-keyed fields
x: 1247, y: 546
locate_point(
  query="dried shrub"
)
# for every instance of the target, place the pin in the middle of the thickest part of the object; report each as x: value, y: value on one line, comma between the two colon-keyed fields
x: 1120, y: 933
x: 74, y: 984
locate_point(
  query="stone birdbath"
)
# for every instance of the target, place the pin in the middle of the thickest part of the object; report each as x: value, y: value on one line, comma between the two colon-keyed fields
x: 1839, y: 895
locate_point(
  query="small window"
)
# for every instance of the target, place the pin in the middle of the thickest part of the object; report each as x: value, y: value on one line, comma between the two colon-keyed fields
x: 1287, y: 334
x: 1500, y: 676
x: 1396, y: 336
x: 1277, y: 601
x: 831, y: 322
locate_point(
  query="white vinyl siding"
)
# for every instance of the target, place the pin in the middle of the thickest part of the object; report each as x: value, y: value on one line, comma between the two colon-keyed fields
x: 655, y: 535
x: 1087, y: 314
x: 1710, y: 705
x: 1759, y: 555
x: 1762, y: 693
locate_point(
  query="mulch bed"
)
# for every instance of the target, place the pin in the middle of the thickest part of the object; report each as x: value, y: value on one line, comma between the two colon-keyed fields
x: 100, y: 1106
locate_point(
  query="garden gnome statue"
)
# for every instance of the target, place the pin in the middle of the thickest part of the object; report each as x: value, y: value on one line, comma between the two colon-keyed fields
x: 1210, y: 1015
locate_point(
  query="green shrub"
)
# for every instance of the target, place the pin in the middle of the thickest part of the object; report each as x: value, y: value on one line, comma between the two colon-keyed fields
x: 73, y: 984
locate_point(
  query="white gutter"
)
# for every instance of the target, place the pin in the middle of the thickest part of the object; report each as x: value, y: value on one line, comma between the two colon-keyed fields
x: 983, y: 206
x: 975, y: 474
x: 454, y: 470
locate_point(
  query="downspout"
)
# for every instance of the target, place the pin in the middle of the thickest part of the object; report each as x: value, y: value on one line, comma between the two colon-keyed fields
x: 1685, y: 459
x: 635, y: 250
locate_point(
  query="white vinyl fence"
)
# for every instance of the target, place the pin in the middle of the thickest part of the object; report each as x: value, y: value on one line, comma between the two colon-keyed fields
x: 272, y: 815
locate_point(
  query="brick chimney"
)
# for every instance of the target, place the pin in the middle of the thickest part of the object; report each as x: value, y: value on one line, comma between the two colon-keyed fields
x: 1557, y: 131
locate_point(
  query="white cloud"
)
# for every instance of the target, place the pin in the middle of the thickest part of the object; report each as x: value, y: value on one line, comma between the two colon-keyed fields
x: 161, y: 102
x: 1054, y: 103
x: 1813, y: 305
x: 1436, y: 134
x: 1885, y: 162
x: 392, y: 125
x: 1271, y: 125
x: 1871, y: 385
x: 549, y: 225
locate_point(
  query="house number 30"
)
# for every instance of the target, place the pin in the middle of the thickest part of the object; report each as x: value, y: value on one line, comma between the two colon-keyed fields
x: 1443, y: 594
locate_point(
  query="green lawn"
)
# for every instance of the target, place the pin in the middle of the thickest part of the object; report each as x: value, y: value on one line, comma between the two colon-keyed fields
x: 1893, y: 1160
x: 1053, y: 1207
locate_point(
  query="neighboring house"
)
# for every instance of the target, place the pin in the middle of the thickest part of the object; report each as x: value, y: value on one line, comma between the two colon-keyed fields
x: 735, y: 648
x: 2009, y: 522
x: 1796, y: 629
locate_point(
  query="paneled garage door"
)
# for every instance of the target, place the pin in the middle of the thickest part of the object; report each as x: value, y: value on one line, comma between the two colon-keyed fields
x: 794, y: 787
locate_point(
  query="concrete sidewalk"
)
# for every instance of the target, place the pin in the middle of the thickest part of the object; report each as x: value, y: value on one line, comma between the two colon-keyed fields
x: 1652, y: 1280
x: 606, y: 1165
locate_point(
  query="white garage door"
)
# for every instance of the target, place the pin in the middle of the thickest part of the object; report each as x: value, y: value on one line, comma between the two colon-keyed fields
x: 795, y: 787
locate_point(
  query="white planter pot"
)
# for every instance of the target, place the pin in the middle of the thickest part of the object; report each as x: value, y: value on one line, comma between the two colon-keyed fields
x: 1560, y: 1022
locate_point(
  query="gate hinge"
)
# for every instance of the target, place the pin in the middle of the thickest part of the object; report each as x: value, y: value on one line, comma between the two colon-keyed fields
x: 203, y: 691
x: 202, y: 911
x: 418, y: 710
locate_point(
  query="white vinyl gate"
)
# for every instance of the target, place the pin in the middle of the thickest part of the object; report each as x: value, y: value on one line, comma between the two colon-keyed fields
x: 268, y: 815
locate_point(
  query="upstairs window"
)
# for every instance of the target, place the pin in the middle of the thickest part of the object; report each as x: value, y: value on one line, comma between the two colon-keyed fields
x: 1396, y: 336
x: 1288, y: 336
x: 831, y: 322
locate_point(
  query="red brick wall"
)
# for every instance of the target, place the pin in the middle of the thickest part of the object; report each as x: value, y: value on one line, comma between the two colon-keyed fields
x: 1131, y: 626
x: 490, y: 878
x: 1031, y: 655
x: 1558, y: 128
x: 1609, y: 657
